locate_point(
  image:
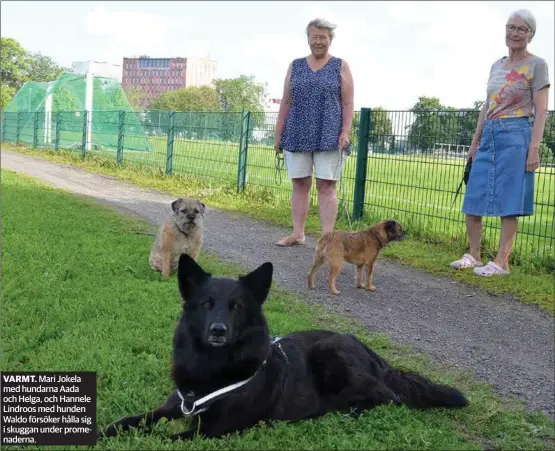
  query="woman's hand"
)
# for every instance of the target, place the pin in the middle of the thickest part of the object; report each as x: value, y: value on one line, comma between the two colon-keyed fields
x: 343, y: 140
x: 472, y: 151
x: 533, y: 160
x: 277, y: 143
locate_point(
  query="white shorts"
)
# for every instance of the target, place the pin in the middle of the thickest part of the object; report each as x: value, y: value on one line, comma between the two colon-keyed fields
x: 327, y: 165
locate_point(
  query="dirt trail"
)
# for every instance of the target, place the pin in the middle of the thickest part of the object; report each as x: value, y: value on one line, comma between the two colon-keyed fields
x: 501, y: 341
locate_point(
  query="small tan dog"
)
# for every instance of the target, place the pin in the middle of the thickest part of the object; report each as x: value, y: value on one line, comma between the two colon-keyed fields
x: 358, y: 248
x: 182, y: 233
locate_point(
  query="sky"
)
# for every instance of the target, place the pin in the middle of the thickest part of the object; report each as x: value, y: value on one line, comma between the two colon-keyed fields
x: 397, y: 50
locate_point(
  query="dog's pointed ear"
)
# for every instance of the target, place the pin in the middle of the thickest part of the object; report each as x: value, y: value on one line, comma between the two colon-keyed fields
x: 259, y: 281
x: 190, y: 276
x: 391, y: 226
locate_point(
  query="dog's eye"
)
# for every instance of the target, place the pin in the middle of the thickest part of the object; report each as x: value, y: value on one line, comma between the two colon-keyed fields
x: 196, y: 211
x: 207, y: 304
x: 234, y: 305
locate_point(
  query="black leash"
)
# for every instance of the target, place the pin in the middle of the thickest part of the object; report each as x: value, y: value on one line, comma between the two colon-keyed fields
x: 466, y: 175
x: 279, y: 164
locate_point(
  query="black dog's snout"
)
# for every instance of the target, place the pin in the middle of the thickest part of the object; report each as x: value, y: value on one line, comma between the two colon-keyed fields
x: 218, y: 329
x: 191, y: 217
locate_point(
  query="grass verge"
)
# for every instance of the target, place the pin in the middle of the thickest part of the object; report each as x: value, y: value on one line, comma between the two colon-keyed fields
x: 82, y: 298
x: 531, y: 284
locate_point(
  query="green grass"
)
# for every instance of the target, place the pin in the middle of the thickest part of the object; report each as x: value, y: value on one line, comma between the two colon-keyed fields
x: 78, y: 295
x: 530, y: 282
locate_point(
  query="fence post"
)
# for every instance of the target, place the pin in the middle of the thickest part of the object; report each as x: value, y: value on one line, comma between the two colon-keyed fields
x: 120, y: 137
x: 169, y: 154
x: 362, y: 162
x: 36, y: 130
x: 84, y: 139
x: 3, y: 126
x: 243, y: 148
x: 58, y: 126
x: 18, y: 128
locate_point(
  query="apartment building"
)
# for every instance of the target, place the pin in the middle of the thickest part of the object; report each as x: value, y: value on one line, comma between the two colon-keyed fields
x: 154, y: 76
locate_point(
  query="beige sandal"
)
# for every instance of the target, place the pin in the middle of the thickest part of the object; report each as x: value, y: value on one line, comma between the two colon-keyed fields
x: 467, y: 261
x: 491, y: 269
x: 289, y: 241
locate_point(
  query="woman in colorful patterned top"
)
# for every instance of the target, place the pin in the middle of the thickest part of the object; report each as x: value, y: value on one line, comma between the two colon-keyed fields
x: 505, y: 148
x: 313, y: 128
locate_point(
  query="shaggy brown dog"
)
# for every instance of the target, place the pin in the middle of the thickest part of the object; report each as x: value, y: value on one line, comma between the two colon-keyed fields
x: 358, y: 248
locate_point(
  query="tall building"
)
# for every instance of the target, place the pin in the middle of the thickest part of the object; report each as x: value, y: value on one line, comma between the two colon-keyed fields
x: 154, y: 76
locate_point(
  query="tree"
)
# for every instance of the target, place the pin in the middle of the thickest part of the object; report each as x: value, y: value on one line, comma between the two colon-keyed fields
x: 353, y: 136
x: 42, y: 68
x: 546, y: 155
x: 549, y: 132
x: 18, y: 66
x: 63, y: 100
x: 7, y: 93
x: 381, y: 129
x: 135, y: 97
x: 13, y: 63
x: 468, y: 123
x: 423, y: 130
x: 434, y: 124
x: 235, y: 95
x: 242, y: 93
x: 194, y: 98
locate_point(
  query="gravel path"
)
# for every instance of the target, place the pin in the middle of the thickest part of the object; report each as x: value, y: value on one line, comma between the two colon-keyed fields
x: 501, y: 341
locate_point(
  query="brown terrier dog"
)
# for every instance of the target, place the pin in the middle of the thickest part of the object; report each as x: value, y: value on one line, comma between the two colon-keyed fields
x: 358, y: 248
x: 181, y: 234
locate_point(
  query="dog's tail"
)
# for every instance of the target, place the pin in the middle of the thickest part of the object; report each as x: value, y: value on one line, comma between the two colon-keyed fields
x: 417, y: 392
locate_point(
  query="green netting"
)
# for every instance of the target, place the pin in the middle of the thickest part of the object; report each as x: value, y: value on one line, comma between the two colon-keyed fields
x: 68, y: 94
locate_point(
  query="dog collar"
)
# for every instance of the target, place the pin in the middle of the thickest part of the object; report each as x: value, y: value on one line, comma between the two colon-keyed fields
x: 186, y: 234
x: 191, y: 406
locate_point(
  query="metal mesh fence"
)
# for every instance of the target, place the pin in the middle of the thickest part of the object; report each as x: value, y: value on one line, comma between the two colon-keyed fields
x: 405, y: 165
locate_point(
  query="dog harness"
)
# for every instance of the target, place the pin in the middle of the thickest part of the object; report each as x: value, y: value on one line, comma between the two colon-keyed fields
x: 191, y: 406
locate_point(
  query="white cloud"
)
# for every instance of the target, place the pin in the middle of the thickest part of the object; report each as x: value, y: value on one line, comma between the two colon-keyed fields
x: 406, y: 13
x: 129, y: 32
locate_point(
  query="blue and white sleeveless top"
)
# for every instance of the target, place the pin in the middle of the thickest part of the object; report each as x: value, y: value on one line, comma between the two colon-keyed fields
x: 314, y: 120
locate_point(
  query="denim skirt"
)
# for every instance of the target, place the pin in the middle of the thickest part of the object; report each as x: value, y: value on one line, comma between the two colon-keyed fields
x: 498, y: 184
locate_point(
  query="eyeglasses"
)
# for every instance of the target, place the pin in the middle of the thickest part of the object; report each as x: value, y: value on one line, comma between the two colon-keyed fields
x: 521, y: 30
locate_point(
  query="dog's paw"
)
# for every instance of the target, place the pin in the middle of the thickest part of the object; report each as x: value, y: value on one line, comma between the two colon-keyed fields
x: 372, y: 288
x: 361, y: 285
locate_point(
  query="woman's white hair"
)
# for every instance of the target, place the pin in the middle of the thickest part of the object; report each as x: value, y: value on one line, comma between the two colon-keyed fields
x: 527, y: 17
x: 322, y: 24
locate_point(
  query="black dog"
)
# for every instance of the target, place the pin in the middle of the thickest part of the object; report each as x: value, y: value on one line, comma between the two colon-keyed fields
x: 228, y: 371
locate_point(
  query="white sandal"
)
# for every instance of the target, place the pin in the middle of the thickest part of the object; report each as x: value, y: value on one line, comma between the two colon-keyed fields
x: 467, y: 261
x: 491, y: 269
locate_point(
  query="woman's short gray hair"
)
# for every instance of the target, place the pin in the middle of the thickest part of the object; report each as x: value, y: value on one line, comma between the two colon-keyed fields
x: 527, y: 17
x: 322, y: 24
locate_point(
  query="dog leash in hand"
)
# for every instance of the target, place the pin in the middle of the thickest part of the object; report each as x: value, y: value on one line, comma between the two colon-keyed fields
x: 466, y: 175
x: 279, y: 164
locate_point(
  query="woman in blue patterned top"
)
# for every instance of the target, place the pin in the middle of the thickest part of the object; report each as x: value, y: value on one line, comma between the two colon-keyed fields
x: 313, y: 128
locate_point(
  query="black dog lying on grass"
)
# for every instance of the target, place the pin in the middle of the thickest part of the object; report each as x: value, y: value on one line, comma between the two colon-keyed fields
x: 228, y: 371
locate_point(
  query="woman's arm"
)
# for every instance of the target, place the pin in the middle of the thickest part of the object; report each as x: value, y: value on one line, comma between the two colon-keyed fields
x: 284, y: 106
x: 347, y: 97
x: 480, y: 126
x: 541, y: 99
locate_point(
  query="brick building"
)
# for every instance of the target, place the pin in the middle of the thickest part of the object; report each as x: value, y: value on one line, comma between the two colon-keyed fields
x: 154, y: 76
